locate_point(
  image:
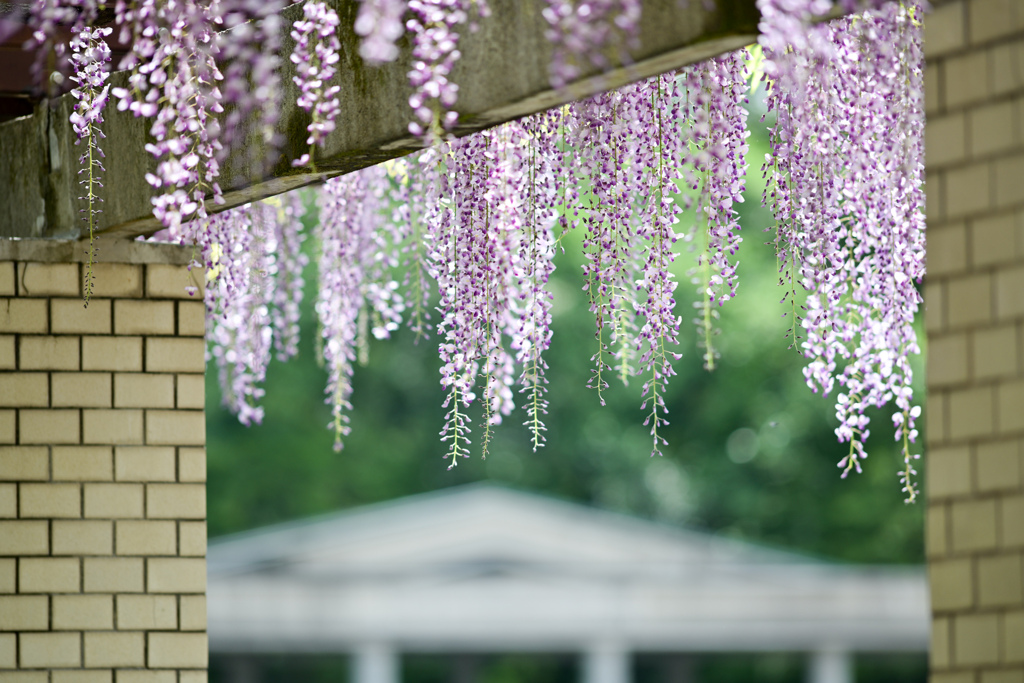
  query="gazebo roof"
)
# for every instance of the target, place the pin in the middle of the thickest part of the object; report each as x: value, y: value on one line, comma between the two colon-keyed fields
x: 483, y: 568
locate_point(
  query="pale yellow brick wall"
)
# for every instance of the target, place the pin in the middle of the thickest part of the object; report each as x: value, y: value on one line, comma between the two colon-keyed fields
x: 974, y: 298
x: 102, y: 469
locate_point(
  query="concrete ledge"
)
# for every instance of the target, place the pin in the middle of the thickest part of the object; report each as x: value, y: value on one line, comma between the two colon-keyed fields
x: 109, y: 251
x: 502, y: 75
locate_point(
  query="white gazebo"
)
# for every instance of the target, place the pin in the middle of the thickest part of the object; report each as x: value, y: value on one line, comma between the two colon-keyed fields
x: 486, y: 569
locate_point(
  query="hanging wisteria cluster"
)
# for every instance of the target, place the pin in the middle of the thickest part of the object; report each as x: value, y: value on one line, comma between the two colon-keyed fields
x: 250, y: 46
x: 175, y: 80
x: 637, y: 171
x: 253, y: 296
x: 845, y: 184
x: 316, y: 58
x: 90, y: 56
x: 581, y: 32
x: 434, y: 25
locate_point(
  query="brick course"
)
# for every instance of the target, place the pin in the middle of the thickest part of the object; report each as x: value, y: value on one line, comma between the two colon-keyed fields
x: 49, y: 575
x: 49, y: 353
x: 81, y: 389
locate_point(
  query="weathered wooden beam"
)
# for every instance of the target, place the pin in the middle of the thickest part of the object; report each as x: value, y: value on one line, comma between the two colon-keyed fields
x: 503, y: 75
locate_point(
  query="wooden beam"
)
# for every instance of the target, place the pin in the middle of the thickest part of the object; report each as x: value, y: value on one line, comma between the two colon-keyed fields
x: 503, y: 75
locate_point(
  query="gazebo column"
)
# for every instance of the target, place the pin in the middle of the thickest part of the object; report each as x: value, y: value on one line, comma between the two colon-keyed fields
x: 376, y: 663
x: 830, y: 666
x: 242, y: 669
x: 466, y: 668
x: 607, y: 662
x: 679, y: 668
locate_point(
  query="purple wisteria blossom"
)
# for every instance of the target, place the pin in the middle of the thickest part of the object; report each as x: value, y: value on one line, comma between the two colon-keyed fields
x: 845, y: 179
x: 599, y: 131
x: 410, y: 178
x: 249, y: 46
x: 442, y: 237
x: 90, y: 56
x: 654, y: 163
x: 434, y: 26
x: 635, y: 150
x: 582, y: 30
x: 240, y: 325
x: 661, y: 152
x: 506, y: 177
x: 358, y: 292
x: 718, y: 132
x: 253, y: 296
x: 380, y: 24
x: 44, y: 18
x: 459, y: 269
x: 491, y: 257
x: 484, y: 236
x: 316, y: 58
x: 289, y: 264
x: 541, y: 159
x: 175, y: 79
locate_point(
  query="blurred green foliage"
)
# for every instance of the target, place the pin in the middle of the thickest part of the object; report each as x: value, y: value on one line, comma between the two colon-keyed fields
x: 751, y: 450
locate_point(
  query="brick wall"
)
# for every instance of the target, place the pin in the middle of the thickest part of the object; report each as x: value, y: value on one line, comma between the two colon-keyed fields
x: 102, y: 468
x: 975, y: 320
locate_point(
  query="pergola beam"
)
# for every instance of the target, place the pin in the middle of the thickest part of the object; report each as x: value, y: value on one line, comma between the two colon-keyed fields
x: 503, y: 75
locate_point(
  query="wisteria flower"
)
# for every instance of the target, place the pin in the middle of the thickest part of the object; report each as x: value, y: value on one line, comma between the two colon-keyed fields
x: 90, y: 56
x: 316, y: 59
